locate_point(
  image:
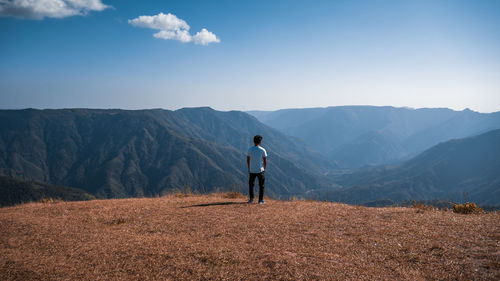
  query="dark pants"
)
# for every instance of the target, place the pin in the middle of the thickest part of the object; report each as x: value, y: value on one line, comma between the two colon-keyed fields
x: 251, y: 182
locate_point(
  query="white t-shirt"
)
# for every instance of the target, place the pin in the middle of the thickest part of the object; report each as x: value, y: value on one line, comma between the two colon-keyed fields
x: 256, y: 154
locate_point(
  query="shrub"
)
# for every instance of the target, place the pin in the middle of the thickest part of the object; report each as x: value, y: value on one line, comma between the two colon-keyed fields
x: 421, y: 207
x: 296, y: 198
x: 467, y: 208
x: 185, y: 191
x: 233, y: 194
x: 179, y: 194
x: 50, y: 200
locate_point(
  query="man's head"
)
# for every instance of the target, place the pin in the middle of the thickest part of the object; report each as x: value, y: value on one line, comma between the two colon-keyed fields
x: 257, y: 139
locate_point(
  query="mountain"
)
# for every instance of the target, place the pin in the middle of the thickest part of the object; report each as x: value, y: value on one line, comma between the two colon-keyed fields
x: 356, y: 136
x: 456, y: 170
x: 123, y: 153
x: 236, y: 129
x: 371, y: 148
x: 15, y: 191
x: 463, y: 124
x: 135, y: 153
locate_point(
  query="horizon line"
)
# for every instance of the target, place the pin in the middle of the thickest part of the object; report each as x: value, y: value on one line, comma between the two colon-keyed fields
x: 249, y: 110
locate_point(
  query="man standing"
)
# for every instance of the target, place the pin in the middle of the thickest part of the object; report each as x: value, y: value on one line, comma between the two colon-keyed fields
x: 256, y: 162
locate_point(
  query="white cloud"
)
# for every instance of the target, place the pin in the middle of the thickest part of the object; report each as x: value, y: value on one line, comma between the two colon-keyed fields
x: 39, y: 9
x: 204, y: 37
x: 160, y: 22
x: 173, y: 28
x: 181, y: 35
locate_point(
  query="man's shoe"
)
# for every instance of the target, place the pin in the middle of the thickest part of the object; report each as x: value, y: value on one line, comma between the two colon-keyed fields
x: 261, y: 201
x: 250, y: 201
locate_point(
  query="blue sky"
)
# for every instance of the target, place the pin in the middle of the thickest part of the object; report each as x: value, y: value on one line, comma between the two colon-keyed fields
x: 271, y: 55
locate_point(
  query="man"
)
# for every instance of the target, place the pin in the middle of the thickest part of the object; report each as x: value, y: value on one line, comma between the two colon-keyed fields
x: 256, y: 162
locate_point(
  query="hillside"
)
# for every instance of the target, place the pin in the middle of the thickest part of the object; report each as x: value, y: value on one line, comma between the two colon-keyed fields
x: 217, y: 238
x: 15, y: 191
x: 236, y: 129
x: 356, y: 136
x: 137, y: 153
x: 126, y: 153
x: 448, y: 171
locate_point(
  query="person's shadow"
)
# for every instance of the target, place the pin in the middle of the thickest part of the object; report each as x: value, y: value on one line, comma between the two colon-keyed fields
x: 215, y: 204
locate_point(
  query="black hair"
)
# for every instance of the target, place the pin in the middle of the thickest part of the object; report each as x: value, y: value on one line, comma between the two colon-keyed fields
x: 257, y: 139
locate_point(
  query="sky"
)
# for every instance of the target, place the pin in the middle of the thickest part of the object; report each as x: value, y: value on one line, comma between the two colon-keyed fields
x: 249, y: 55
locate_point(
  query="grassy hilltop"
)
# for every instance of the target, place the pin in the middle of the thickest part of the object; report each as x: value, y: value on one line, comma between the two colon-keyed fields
x: 216, y: 237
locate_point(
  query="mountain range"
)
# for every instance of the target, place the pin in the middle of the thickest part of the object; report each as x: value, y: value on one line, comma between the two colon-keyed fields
x: 458, y: 170
x: 358, y: 136
x: 124, y: 153
x: 355, y: 155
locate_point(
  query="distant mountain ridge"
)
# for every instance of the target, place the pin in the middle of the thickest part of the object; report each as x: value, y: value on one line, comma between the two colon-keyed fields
x: 356, y: 136
x: 134, y: 153
x: 456, y: 170
x: 124, y: 153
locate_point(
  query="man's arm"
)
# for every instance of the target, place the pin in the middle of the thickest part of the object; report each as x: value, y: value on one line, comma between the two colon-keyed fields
x: 264, y: 160
x: 248, y: 163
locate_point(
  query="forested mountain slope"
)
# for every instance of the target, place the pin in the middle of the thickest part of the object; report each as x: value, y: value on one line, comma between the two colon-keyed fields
x: 122, y: 153
x: 456, y: 170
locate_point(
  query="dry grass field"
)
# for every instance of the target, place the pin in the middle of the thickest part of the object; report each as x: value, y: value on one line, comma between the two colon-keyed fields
x: 216, y: 237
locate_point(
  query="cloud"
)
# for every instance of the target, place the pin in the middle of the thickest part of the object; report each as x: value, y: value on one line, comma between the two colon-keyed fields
x: 169, y: 26
x: 39, y: 9
x: 181, y: 35
x: 173, y: 28
x: 160, y: 22
x: 204, y: 37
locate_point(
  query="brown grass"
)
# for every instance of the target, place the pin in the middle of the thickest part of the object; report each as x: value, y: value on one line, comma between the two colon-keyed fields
x: 467, y: 208
x: 216, y: 238
x: 50, y: 201
x: 233, y: 195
